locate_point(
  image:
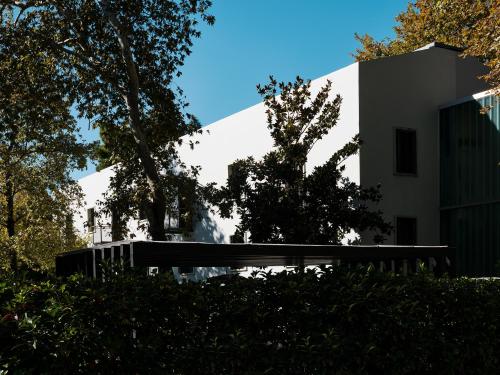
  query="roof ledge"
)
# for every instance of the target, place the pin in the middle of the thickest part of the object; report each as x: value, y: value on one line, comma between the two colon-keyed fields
x: 440, y: 45
x: 468, y: 98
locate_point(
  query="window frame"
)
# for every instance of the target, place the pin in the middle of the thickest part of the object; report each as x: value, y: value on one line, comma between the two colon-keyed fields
x: 395, y: 152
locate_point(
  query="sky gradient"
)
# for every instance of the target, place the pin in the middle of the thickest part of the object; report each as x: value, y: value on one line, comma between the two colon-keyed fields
x: 252, y: 39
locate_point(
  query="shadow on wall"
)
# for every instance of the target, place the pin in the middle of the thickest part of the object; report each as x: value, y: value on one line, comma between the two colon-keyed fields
x: 470, y: 184
x: 207, y: 230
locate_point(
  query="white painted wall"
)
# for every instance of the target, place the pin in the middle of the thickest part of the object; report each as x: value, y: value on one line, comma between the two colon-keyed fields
x: 94, y: 186
x: 245, y: 134
x: 241, y: 135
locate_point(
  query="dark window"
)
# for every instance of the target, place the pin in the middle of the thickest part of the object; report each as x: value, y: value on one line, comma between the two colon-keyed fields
x: 172, y: 216
x: 117, y: 226
x: 179, y: 216
x: 406, y: 231
x: 406, y: 151
x: 91, y: 219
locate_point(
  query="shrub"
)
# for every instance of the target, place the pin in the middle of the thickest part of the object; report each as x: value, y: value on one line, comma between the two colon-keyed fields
x: 333, y: 321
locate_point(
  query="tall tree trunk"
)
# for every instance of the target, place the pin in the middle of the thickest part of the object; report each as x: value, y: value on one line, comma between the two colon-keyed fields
x: 10, y: 221
x: 157, y: 205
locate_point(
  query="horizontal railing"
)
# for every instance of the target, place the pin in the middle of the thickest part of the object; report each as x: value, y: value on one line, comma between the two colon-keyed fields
x: 399, y: 259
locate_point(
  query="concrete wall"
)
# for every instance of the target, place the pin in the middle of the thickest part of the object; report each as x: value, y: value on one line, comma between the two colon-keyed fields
x: 406, y: 91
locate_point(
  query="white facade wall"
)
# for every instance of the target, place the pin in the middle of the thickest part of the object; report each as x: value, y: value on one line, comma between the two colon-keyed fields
x: 245, y: 134
x: 238, y: 136
x: 94, y: 186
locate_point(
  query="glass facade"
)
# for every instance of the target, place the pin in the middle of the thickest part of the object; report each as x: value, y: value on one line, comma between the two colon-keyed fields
x: 470, y: 184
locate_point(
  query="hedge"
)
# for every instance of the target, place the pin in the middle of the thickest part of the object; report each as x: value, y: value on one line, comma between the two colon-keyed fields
x: 330, y: 322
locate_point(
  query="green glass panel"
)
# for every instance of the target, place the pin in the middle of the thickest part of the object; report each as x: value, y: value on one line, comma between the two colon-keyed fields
x: 470, y: 184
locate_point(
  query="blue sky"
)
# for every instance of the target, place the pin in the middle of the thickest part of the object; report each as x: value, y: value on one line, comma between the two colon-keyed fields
x: 252, y: 39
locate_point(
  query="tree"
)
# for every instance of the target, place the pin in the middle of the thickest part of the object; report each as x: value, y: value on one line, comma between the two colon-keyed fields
x: 38, y: 148
x: 38, y: 238
x: 469, y: 24
x: 274, y: 197
x: 122, y: 57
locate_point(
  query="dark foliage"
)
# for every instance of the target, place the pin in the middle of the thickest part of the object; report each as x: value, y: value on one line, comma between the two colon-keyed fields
x: 276, y: 200
x: 120, y: 59
x: 334, y: 321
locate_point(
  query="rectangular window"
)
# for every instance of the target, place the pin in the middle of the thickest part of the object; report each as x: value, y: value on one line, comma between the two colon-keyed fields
x: 91, y: 219
x: 179, y: 217
x: 405, y: 151
x: 172, y: 216
x: 406, y: 231
x: 229, y: 170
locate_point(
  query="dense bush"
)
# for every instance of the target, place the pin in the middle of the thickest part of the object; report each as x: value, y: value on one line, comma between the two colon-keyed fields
x: 301, y: 323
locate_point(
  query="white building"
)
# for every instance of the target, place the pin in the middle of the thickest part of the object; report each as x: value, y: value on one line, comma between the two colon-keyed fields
x: 393, y: 103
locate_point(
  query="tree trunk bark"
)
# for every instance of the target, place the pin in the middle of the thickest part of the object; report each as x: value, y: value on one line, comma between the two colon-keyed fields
x: 10, y: 221
x: 157, y: 204
x: 156, y: 209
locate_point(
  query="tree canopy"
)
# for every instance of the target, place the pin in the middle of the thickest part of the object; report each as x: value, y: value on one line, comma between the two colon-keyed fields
x: 469, y: 24
x: 39, y: 146
x: 121, y: 58
x: 275, y: 199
